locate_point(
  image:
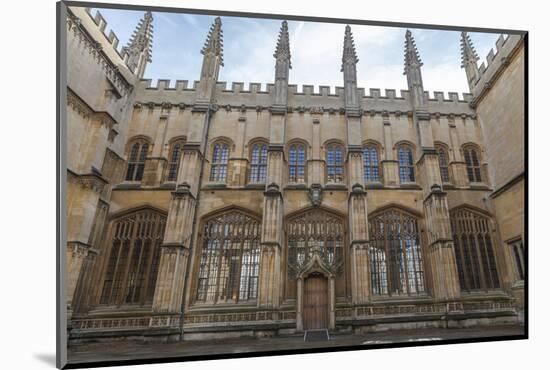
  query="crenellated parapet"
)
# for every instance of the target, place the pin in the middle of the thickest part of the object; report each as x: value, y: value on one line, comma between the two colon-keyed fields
x: 96, y: 28
x: 496, y: 61
x: 301, y: 99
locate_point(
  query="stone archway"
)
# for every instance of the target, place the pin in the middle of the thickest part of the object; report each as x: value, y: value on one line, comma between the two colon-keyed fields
x: 316, y: 247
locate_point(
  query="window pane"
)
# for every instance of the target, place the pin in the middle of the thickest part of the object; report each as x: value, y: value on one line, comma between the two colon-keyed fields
x: 474, y: 254
x: 229, y: 264
x: 131, y: 272
x: 394, y: 234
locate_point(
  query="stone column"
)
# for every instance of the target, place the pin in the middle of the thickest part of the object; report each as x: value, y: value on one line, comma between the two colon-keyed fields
x: 85, y: 289
x: 440, y: 258
x: 271, y: 239
x: 332, y: 303
x: 299, y: 304
x: 440, y: 249
x: 169, y: 289
x: 155, y: 164
x: 83, y: 192
x: 270, y: 292
x: 390, y: 166
x: 76, y: 254
x: 358, y: 221
x: 457, y: 166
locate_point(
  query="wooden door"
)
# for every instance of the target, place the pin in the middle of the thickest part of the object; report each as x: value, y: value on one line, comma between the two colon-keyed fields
x: 315, y: 313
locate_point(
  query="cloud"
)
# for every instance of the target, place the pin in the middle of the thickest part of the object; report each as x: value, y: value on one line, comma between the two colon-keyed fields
x: 316, y: 51
x: 166, y: 19
x: 192, y: 21
x: 444, y: 77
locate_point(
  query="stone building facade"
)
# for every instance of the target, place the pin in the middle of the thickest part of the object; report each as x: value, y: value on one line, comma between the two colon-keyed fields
x: 205, y: 211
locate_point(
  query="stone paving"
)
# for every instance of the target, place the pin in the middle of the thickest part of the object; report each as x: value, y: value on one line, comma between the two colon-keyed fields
x: 132, y: 350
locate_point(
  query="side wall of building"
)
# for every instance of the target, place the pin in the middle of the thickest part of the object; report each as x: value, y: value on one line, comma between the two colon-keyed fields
x: 500, y: 106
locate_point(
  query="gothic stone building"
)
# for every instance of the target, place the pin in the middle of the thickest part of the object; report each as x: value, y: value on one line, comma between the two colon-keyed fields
x: 203, y: 211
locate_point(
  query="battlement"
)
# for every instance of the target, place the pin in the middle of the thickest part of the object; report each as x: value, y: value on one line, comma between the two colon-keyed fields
x: 111, y: 36
x: 302, y: 90
x: 495, y: 60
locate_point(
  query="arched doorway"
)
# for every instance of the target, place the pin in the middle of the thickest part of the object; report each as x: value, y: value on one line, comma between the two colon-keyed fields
x: 316, y: 302
x: 315, y: 260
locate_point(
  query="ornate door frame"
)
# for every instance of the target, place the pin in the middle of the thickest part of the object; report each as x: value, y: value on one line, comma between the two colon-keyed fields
x: 315, y: 265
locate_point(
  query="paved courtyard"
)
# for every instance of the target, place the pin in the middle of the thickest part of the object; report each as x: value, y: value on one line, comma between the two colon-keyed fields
x: 132, y: 350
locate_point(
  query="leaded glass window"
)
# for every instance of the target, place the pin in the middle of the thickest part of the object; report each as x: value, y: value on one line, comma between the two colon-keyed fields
x: 132, y: 267
x: 297, y: 163
x: 406, y: 164
x: 518, y: 254
x: 395, y: 254
x: 220, y: 157
x: 371, y: 164
x: 136, y: 161
x: 335, y: 163
x: 315, y: 231
x: 471, y: 157
x: 230, y: 258
x: 173, y: 165
x: 474, y: 253
x: 258, y: 164
x: 443, y: 163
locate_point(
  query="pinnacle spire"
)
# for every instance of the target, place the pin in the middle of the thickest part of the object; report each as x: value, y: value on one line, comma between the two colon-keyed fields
x: 412, y: 58
x: 282, y: 51
x: 214, y: 40
x: 141, y: 40
x: 469, y: 54
x: 349, y: 55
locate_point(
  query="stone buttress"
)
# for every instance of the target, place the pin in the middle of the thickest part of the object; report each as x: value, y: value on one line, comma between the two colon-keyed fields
x: 439, y: 256
x: 171, y: 280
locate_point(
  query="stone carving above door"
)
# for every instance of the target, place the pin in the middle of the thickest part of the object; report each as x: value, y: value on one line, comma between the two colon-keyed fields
x: 316, y: 194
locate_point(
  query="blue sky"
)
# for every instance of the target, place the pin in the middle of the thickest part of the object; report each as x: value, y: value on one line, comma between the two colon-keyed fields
x: 316, y: 51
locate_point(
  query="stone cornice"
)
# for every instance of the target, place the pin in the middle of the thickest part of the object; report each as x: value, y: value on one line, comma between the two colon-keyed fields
x: 435, y: 191
x: 173, y: 245
x: 90, y: 181
x: 77, y: 248
x: 273, y: 190
x: 182, y: 190
x: 278, y: 110
x: 313, y: 110
x: 276, y: 148
x: 508, y: 185
x: 86, y: 111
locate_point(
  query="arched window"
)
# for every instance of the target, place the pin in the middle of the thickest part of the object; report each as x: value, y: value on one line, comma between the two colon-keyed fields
x: 395, y: 254
x: 220, y: 156
x: 297, y: 163
x: 443, y: 162
x: 136, y: 160
x: 132, y: 266
x: 315, y: 231
x: 475, y: 259
x: 229, y: 259
x: 518, y: 254
x: 175, y: 157
x: 471, y: 157
x: 370, y: 163
x: 406, y: 163
x: 258, y: 163
x: 335, y: 165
